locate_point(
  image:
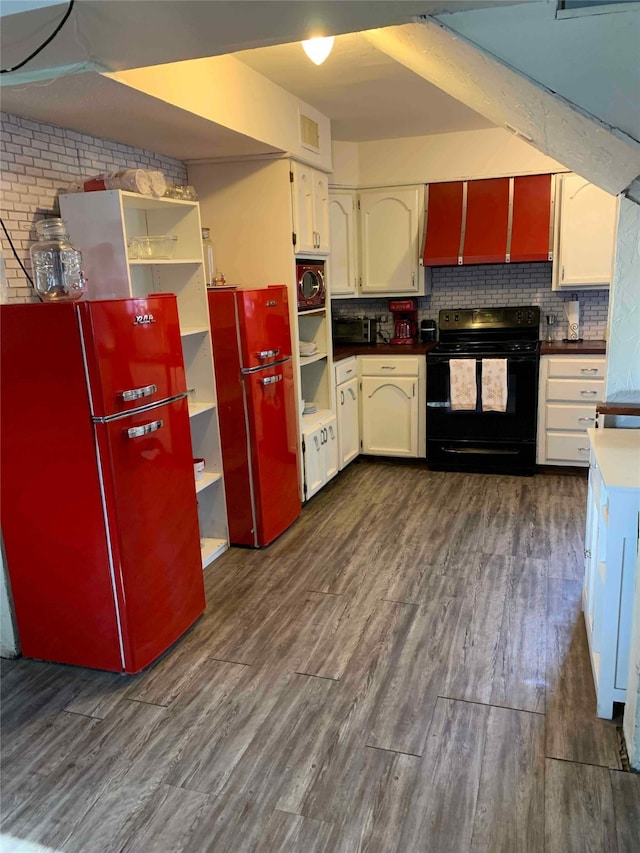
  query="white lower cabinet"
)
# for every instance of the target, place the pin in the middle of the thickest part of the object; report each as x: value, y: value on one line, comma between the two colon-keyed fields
x: 570, y: 386
x: 611, y: 550
x: 393, y: 400
x: 320, y: 450
x: 348, y: 408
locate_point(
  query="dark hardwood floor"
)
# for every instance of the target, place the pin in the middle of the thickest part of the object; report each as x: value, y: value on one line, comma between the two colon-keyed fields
x: 405, y: 669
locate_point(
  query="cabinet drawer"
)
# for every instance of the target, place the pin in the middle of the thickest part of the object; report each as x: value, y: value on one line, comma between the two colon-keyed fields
x: 406, y: 365
x: 346, y: 369
x: 576, y: 368
x: 585, y: 390
x: 575, y: 418
x: 567, y: 447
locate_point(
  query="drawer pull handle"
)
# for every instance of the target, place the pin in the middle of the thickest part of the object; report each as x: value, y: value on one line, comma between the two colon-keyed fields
x: 587, y: 553
x: 583, y: 449
x: 589, y: 370
x: 391, y: 367
x: 145, y: 429
x: 271, y: 380
x: 137, y: 393
x: 586, y: 420
x: 588, y: 393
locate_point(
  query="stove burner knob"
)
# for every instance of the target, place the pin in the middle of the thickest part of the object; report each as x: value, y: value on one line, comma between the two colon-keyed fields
x: 446, y: 318
x: 457, y: 318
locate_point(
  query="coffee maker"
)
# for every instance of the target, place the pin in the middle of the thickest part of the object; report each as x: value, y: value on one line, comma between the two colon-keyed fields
x: 405, y: 320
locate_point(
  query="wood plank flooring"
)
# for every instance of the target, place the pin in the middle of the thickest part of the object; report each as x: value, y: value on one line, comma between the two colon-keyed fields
x: 405, y: 669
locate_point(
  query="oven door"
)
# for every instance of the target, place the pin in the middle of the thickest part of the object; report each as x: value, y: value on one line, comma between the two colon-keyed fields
x: 477, y: 440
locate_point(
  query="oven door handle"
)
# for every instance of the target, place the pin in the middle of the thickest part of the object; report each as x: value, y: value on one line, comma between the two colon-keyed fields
x: 481, y: 450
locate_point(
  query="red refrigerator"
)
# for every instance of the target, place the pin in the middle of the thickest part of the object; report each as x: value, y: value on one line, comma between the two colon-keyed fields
x: 257, y: 412
x: 99, y: 511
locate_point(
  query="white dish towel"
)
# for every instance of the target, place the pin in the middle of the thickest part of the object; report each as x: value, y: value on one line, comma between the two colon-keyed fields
x: 464, y: 391
x: 494, y: 385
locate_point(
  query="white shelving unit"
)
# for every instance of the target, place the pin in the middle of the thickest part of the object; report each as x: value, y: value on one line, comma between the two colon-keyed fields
x: 101, y: 225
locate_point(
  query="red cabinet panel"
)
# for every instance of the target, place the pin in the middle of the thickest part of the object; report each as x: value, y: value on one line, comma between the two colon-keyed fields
x: 487, y: 221
x: 444, y: 224
x: 531, y: 234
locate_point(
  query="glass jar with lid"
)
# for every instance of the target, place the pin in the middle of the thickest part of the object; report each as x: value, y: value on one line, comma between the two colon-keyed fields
x: 56, y: 263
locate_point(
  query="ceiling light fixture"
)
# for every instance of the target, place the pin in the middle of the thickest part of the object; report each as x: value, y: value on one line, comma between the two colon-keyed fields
x: 318, y: 49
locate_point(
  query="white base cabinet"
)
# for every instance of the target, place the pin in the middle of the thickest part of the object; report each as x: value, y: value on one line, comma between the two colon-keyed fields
x: 393, y: 404
x: 347, y: 401
x: 611, y: 551
x: 570, y: 386
x: 320, y: 450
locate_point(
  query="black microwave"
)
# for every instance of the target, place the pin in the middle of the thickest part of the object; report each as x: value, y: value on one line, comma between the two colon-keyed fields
x: 354, y: 330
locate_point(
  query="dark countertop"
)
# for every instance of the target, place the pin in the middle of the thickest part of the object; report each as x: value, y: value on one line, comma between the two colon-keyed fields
x: 348, y: 350
x: 582, y: 348
x: 556, y: 348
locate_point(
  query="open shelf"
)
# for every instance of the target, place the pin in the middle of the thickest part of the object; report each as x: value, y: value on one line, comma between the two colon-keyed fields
x: 199, y: 408
x: 207, y: 479
x: 210, y: 549
x: 154, y: 262
x: 194, y: 330
x: 309, y: 359
x: 143, y: 202
x: 312, y: 311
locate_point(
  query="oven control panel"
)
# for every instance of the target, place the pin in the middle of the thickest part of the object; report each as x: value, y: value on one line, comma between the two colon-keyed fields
x: 490, y: 318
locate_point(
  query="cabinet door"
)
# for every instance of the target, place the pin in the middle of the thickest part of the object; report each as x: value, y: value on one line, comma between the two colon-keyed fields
x: 390, y: 416
x: 389, y: 230
x: 348, y: 426
x: 314, y: 476
x: 302, y: 189
x: 342, y: 266
x: 331, y: 456
x: 321, y: 211
x: 586, y: 229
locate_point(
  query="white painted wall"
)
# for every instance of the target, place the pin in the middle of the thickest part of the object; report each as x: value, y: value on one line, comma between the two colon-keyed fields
x: 346, y: 164
x: 228, y: 92
x: 591, y: 59
x: 622, y: 381
x: 441, y: 157
x: 449, y: 157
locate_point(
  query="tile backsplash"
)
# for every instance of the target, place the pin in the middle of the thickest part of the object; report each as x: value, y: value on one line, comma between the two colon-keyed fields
x: 492, y: 285
x: 41, y: 160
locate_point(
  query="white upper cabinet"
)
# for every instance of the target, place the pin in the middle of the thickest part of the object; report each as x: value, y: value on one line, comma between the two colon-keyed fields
x: 310, y: 195
x: 342, y: 263
x: 390, y: 229
x: 585, y: 233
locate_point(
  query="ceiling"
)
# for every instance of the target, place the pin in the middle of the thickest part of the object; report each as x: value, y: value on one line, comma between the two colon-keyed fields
x: 366, y: 94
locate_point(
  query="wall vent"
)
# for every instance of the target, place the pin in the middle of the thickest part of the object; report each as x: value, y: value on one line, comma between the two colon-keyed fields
x: 309, y: 133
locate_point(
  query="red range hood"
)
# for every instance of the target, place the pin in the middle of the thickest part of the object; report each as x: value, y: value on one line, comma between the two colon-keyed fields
x: 489, y: 221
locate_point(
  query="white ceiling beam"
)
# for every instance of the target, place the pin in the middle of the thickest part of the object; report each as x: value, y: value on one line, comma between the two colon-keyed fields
x: 602, y: 154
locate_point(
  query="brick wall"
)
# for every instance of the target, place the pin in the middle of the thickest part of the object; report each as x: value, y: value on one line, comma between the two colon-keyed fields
x: 492, y: 285
x: 41, y: 160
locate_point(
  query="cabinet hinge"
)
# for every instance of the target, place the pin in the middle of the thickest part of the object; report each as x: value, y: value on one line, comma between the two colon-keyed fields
x: 304, y: 489
x: 304, y: 446
x: 290, y: 176
x: 360, y: 444
x: 358, y: 204
x: 294, y: 237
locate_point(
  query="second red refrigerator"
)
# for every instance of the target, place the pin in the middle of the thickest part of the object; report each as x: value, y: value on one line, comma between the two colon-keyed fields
x: 257, y: 412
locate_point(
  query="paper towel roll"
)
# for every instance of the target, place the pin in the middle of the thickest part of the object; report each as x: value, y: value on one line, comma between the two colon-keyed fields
x: 572, y: 313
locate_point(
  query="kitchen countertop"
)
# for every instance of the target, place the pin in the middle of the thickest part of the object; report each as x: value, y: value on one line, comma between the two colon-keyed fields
x: 348, y: 350
x: 582, y: 348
